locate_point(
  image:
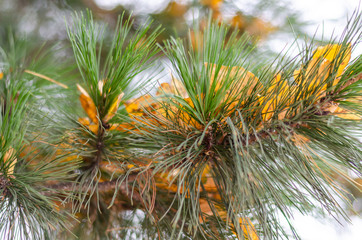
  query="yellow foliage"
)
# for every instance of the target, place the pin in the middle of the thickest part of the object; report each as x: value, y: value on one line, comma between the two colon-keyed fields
x: 213, y: 4
x: 321, y: 64
x: 238, y: 21
x: 248, y: 229
x: 138, y: 109
x: 280, y: 93
x: 139, y: 106
x: 91, y: 109
x: 10, y: 156
x: 209, y: 185
x: 260, y: 28
x: 243, y: 79
x: 217, y: 16
x: 330, y: 52
x: 317, y: 70
x: 184, y: 118
x: 114, y: 168
x: 176, y: 9
x: 196, y: 39
x: 90, y: 125
x: 346, y: 114
x: 316, y: 73
x: 176, y: 88
x: 299, y: 139
x: 84, y: 121
x: 88, y: 104
x: 113, y: 109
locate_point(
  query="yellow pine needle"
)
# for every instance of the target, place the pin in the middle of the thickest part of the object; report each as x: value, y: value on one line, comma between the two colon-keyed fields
x: 282, y: 90
x: 324, y: 56
x: 9, y: 155
x: 45, y: 78
x: 88, y: 104
x: 113, y: 109
x: 331, y: 52
x: 248, y: 229
x: 247, y: 226
x: 91, y: 109
x: 347, y: 114
x: 164, y: 88
x: 314, y: 76
x: 85, y: 122
x: 242, y: 77
x: 338, y: 111
x: 244, y: 80
x: 93, y: 128
x: 139, y: 106
x: 177, y: 87
x: 316, y: 73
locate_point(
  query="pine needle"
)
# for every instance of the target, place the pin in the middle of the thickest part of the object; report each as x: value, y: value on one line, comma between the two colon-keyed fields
x: 46, y: 78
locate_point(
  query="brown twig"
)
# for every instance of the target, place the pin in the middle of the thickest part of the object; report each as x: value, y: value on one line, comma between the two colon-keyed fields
x: 102, y: 186
x: 4, y: 183
x: 351, y: 81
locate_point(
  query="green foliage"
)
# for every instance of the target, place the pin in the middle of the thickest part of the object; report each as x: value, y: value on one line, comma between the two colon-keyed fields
x: 227, y: 149
x: 27, y: 205
x: 261, y: 166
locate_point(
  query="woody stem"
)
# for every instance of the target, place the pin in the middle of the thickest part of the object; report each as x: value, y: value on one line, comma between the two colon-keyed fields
x: 99, y: 145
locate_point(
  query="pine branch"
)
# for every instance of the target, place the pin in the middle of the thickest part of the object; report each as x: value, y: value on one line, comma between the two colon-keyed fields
x: 258, y: 134
x: 222, y: 151
x: 108, y: 186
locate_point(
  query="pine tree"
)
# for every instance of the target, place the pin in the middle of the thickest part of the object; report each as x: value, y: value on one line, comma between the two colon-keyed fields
x: 231, y: 144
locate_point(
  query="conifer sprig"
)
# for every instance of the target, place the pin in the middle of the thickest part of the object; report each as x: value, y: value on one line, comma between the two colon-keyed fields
x: 264, y: 141
x: 25, y: 167
x: 223, y: 151
x: 106, y: 88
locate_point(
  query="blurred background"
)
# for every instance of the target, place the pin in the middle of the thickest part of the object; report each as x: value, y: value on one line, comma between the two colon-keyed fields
x: 274, y: 24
